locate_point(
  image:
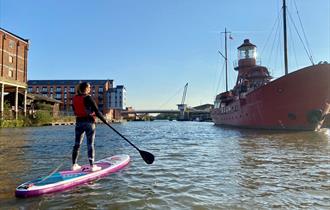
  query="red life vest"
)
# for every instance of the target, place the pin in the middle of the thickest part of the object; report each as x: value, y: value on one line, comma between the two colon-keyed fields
x: 80, y: 110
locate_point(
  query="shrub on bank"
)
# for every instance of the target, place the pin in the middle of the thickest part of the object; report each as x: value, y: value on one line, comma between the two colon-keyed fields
x: 42, y: 117
x: 11, y: 123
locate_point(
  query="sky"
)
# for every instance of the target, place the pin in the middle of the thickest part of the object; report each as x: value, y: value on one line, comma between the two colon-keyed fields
x: 154, y: 47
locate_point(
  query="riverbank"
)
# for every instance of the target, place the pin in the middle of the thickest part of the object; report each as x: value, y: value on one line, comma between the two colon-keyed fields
x: 40, y: 120
x: 27, y: 122
x: 13, y: 123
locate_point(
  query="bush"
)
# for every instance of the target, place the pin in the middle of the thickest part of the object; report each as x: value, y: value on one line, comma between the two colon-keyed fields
x: 42, y: 117
x: 12, y: 123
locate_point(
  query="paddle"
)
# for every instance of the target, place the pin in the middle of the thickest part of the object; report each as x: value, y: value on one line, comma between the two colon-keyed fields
x: 146, y: 156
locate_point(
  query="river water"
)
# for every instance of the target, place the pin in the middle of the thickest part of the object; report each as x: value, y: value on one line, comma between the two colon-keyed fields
x: 197, y: 166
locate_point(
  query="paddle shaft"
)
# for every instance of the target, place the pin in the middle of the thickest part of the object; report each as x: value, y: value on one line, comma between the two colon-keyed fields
x: 122, y: 136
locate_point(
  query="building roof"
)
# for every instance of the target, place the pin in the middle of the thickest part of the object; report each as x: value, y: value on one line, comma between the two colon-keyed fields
x: 67, y: 82
x: 12, y: 34
x: 39, y: 97
x: 204, y: 107
x: 118, y: 87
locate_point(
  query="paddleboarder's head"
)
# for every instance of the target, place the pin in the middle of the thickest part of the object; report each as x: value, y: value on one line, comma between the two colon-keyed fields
x: 84, y: 88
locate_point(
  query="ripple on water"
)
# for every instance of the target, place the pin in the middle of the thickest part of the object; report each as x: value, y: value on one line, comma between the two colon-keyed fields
x: 197, y: 166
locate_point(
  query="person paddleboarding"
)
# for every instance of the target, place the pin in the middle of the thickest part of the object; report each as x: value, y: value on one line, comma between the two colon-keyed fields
x: 86, y: 111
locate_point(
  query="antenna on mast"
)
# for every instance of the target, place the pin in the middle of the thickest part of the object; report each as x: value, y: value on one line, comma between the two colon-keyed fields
x: 225, y: 56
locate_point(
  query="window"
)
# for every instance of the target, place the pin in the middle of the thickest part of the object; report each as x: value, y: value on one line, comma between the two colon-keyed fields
x: 10, y: 73
x: 10, y: 58
x: 44, y: 89
x: 58, y: 96
x: 30, y: 89
x: 58, y: 89
x: 65, y: 89
x: 71, y: 89
x: 51, y: 89
x: 100, y: 89
x: 11, y: 44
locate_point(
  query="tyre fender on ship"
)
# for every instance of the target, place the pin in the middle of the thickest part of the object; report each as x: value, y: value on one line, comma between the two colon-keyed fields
x: 314, y: 116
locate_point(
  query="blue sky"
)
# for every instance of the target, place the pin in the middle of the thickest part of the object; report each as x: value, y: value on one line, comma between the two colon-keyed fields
x: 154, y: 47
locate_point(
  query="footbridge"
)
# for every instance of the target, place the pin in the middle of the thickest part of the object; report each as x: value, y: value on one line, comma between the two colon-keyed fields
x: 188, y: 114
x: 159, y: 111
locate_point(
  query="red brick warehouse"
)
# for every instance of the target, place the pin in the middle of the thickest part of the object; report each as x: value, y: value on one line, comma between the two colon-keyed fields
x: 13, y: 70
x: 64, y: 90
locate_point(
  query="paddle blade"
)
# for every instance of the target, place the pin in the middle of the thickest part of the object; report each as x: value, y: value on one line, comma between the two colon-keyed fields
x: 147, y: 156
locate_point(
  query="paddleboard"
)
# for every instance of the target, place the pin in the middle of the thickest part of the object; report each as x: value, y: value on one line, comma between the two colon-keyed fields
x: 63, y: 180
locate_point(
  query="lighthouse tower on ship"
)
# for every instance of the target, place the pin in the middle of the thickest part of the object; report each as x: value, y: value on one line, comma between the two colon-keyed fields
x: 250, y: 75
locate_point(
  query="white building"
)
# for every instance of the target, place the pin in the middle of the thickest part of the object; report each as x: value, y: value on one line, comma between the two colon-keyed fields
x: 117, y: 97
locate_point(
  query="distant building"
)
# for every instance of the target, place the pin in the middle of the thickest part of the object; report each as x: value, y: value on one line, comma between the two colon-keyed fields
x: 201, y: 113
x: 34, y: 101
x: 13, y: 69
x: 105, y: 95
x: 64, y: 90
x: 204, y: 107
x: 129, y: 116
x: 117, y: 97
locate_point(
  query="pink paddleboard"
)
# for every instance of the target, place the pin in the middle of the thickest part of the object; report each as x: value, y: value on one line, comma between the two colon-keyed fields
x: 63, y: 180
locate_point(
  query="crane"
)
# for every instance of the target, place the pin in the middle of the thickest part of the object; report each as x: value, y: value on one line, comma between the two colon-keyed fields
x: 184, y: 93
x: 182, y: 107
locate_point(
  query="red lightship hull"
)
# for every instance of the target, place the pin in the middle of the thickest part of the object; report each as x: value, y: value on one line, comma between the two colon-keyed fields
x: 297, y: 101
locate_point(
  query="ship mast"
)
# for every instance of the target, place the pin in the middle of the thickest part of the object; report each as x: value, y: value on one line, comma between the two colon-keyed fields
x: 285, y: 39
x: 225, y: 57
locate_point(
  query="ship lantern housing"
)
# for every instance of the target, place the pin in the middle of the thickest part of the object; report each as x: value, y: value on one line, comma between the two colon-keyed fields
x: 247, y: 54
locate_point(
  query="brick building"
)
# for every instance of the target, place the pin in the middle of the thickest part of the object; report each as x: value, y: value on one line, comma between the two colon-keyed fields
x: 64, y: 90
x: 13, y: 70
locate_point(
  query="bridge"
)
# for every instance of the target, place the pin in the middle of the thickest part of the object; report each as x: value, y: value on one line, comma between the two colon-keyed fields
x: 183, y: 112
x: 171, y: 111
x: 188, y: 114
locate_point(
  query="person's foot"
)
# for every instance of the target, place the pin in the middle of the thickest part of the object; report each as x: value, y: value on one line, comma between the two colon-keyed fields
x: 75, y: 167
x: 95, y: 168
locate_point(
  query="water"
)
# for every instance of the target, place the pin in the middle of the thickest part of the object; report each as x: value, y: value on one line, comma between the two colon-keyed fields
x: 197, y: 166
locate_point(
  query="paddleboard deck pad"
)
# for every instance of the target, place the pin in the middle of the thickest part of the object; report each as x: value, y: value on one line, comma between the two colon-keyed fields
x: 63, y: 180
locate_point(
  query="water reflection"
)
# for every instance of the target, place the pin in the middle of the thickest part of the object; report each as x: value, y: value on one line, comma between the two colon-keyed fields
x: 13, y: 147
x: 281, y: 167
